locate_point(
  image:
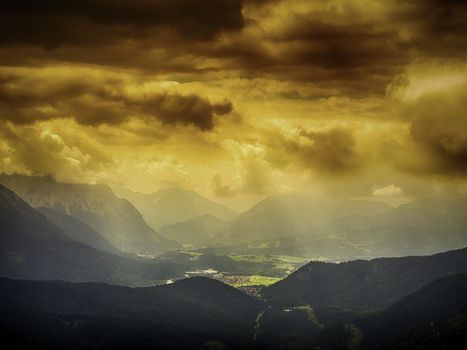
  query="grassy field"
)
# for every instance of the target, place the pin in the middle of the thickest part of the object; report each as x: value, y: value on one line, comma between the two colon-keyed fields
x: 246, y: 281
x: 281, y: 262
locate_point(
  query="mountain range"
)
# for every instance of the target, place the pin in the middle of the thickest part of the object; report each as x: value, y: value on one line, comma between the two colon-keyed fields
x: 192, y: 313
x: 423, y: 226
x: 391, y: 303
x: 200, y: 313
x: 173, y: 205
x: 432, y: 317
x: 32, y: 247
x: 116, y: 219
x: 291, y: 215
x: 364, y: 284
x: 70, y: 232
x: 343, y: 229
x: 196, y: 232
x: 78, y: 230
x: 331, y: 228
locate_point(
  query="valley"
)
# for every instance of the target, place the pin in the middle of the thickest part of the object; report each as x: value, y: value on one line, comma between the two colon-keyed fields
x: 249, y: 273
x: 233, y: 175
x: 333, y: 283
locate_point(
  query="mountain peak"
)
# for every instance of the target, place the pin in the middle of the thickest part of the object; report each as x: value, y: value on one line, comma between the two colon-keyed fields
x: 173, y: 205
x: 96, y: 205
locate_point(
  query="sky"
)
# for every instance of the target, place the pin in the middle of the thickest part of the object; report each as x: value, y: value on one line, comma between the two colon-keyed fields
x: 238, y: 99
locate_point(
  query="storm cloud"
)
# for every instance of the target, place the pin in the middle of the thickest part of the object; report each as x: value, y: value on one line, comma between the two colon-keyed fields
x: 28, y: 97
x: 237, y: 97
x: 90, y: 22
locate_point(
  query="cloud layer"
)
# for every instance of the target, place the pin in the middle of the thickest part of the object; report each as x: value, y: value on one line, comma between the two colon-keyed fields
x: 32, y: 95
x: 237, y: 98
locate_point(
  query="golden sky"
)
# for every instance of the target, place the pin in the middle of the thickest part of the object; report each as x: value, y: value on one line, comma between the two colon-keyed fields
x: 238, y: 99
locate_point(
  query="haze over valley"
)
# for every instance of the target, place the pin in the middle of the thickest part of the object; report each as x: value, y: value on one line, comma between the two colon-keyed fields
x: 233, y: 174
x: 78, y: 234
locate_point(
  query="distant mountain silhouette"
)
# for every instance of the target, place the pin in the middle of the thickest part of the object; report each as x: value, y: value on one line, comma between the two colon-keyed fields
x: 432, y: 317
x: 424, y: 226
x: 32, y: 247
x: 95, y: 205
x: 435, y: 317
x: 280, y: 216
x: 346, y: 229
x: 197, y: 231
x: 396, y: 303
x: 193, y: 313
x: 322, y: 247
x: 170, y: 206
x: 78, y: 230
x: 364, y: 284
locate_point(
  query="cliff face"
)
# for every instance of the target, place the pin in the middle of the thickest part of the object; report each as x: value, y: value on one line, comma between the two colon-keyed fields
x: 97, y: 206
x: 32, y: 247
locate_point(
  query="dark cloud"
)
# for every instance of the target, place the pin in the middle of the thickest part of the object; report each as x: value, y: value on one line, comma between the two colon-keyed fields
x: 440, y: 128
x: 331, y: 151
x: 54, y: 23
x: 338, y: 47
x: 433, y: 100
x: 181, y: 109
x: 437, y: 27
x: 447, y: 143
x: 356, y: 56
x: 93, y: 101
x: 155, y: 36
x: 348, y: 50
